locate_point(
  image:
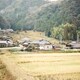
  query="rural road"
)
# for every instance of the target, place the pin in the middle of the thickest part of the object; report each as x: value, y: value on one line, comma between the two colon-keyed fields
x: 28, y: 65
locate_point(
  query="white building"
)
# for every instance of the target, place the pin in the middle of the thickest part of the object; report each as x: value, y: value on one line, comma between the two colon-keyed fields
x: 4, y: 43
x: 43, y: 44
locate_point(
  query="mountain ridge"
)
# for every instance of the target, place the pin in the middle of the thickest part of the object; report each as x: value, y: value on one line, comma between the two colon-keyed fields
x: 24, y: 11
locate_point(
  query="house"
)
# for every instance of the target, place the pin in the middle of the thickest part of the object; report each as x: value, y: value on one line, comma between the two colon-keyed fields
x: 10, y: 43
x: 73, y: 45
x: 6, y: 31
x: 6, y: 41
x: 24, y: 42
x: 9, y: 30
x: 3, y: 44
x: 43, y: 45
x: 4, y: 38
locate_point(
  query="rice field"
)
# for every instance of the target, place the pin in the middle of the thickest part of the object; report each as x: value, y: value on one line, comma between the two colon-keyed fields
x: 46, y: 66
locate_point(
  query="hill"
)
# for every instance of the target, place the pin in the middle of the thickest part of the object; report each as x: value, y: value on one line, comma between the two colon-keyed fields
x: 42, y: 15
x: 5, y: 3
x: 32, y: 36
x: 25, y: 13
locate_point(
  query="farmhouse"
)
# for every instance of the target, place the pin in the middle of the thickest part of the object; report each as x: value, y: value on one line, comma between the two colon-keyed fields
x: 4, y: 38
x: 6, y: 44
x: 10, y: 43
x: 3, y: 44
x: 43, y: 45
x: 6, y: 30
x: 24, y: 42
x: 9, y: 30
x: 73, y: 45
x: 5, y: 41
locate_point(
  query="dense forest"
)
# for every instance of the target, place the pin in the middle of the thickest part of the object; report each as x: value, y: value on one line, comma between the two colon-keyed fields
x: 60, y: 19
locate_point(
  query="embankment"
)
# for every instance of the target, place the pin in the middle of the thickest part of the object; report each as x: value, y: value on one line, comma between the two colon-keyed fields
x: 4, y: 73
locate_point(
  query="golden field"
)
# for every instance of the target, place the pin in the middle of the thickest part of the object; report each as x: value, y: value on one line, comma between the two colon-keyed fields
x: 43, y: 66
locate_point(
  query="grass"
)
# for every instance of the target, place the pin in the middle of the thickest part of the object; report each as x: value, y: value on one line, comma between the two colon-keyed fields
x: 14, y: 51
x: 33, y: 36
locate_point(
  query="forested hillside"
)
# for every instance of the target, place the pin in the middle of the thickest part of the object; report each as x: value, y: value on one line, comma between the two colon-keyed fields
x: 59, y: 19
x: 5, y: 3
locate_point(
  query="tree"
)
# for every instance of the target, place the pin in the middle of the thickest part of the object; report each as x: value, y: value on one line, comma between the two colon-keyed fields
x: 4, y: 23
x: 57, y: 32
x: 70, y: 32
x: 65, y: 31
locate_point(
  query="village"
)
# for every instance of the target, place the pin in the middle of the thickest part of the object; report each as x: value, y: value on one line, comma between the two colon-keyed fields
x: 25, y: 43
x: 39, y: 39
x: 29, y: 55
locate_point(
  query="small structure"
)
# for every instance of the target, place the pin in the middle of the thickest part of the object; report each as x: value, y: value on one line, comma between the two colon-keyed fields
x: 5, y: 38
x: 3, y: 44
x: 25, y: 44
x: 73, y: 45
x: 10, y: 43
x: 9, y: 30
x: 6, y: 42
x: 43, y: 45
x: 6, y: 31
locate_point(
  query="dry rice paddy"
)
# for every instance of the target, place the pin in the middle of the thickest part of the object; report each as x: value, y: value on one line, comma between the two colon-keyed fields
x: 46, y: 66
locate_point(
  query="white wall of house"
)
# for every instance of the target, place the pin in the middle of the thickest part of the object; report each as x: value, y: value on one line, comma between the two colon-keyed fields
x: 46, y: 47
